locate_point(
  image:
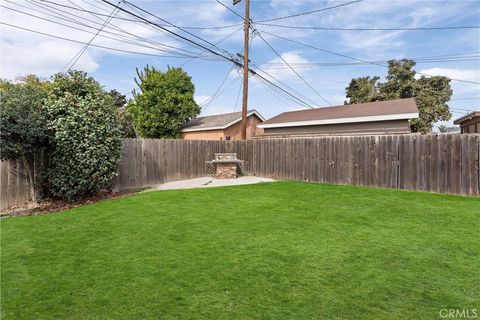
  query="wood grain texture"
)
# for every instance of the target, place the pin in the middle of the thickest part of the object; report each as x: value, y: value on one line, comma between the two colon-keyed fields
x: 441, y: 164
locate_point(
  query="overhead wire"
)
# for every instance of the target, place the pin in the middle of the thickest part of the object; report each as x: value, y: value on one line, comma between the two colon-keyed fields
x: 204, y: 51
x: 133, y: 20
x: 308, y: 12
x: 367, y: 29
x: 91, y: 45
x: 218, y: 89
x: 229, y: 9
x: 65, y: 15
x: 294, y: 71
x: 353, y: 58
x: 134, y: 35
x: 76, y: 57
x: 135, y: 7
x: 238, y: 96
x: 121, y: 39
x: 220, y: 54
x: 277, y: 90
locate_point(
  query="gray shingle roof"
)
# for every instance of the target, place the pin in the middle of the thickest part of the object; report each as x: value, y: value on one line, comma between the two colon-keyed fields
x: 218, y: 121
x: 371, y: 109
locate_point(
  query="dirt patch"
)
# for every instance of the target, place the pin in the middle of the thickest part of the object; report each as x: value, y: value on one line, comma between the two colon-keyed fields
x: 56, y: 205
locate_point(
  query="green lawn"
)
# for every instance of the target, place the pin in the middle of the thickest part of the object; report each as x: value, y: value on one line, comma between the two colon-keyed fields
x: 270, y: 251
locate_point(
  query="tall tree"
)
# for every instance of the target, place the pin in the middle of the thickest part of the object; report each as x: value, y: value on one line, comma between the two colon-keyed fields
x: 23, y: 130
x: 120, y: 100
x: 363, y: 89
x: 164, y: 103
x: 124, y: 118
x: 431, y: 94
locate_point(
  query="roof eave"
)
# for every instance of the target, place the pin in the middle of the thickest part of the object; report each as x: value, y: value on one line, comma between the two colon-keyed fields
x: 253, y: 112
x: 402, y: 116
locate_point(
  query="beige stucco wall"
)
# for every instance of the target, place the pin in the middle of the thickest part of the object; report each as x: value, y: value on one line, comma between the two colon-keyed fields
x: 203, y: 135
x: 376, y: 127
x: 234, y: 131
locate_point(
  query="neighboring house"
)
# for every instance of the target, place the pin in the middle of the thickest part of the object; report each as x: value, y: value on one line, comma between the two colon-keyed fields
x: 225, y: 126
x: 450, y: 130
x: 469, y: 123
x: 383, y: 117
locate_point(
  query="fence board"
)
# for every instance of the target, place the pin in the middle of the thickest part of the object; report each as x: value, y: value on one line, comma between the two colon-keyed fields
x: 442, y: 164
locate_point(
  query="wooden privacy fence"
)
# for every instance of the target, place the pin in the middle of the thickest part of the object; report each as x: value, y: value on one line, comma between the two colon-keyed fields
x: 14, y: 184
x: 153, y: 161
x: 442, y: 164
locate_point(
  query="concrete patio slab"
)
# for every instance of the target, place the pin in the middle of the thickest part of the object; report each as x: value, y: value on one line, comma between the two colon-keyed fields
x: 208, y: 182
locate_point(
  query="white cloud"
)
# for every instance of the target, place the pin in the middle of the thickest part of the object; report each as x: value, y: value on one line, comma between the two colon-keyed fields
x: 26, y: 52
x: 44, y: 59
x: 202, y: 98
x: 463, y: 74
x: 278, y: 69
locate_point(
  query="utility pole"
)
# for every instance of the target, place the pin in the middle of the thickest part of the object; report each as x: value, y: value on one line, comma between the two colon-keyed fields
x: 245, y: 68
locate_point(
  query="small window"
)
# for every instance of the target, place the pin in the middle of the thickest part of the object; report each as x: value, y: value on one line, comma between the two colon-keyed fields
x: 227, y: 138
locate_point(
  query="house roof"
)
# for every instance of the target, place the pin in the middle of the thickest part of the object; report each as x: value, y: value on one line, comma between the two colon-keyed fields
x: 217, y: 122
x: 467, y: 117
x: 361, y: 112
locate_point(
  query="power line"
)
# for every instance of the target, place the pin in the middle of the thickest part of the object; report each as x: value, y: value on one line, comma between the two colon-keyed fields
x: 368, y: 29
x: 203, y: 52
x: 104, y: 36
x: 285, y: 99
x: 336, y: 64
x: 309, y: 12
x: 294, y: 71
x: 133, y: 20
x: 284, y: 91
x: 82, y: 51
x: 470, y: 98
x: 238, y: 96
x: 229, y: 9
x: 111, y: 25
x: 201, y: 46
x: 218, y: 89
x: 165, y: 21
x: 353, y: 58
x: 225, y: 88
x: 91, y: 45
x: 134, y: 35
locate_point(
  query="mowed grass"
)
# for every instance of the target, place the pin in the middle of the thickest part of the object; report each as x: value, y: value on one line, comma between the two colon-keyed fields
x: 283, y: 250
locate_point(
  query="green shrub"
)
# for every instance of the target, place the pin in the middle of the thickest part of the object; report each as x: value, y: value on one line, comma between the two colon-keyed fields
x: 85, y: 146
x: 23, y: 129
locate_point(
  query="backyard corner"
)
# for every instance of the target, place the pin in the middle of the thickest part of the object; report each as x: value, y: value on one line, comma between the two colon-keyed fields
x: 270, y: 250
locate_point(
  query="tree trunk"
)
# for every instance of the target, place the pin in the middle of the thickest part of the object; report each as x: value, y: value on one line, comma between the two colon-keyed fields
x: 29, y: 162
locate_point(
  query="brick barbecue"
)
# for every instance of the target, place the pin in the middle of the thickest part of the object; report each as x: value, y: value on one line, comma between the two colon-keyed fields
x: 226, y: 165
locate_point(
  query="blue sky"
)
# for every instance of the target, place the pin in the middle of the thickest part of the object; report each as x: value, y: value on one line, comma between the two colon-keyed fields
x: 24, y: 52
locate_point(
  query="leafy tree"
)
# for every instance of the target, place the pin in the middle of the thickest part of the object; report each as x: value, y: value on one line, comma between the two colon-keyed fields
x: 431, y: 94
x: 124, y: 118
x: 23, y: 128
x: 164, y: 103
x: 126, y: 123
x: 363, y: 89
x: 84, y: 136
x: 119, y: 99
x: 442, y: 128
